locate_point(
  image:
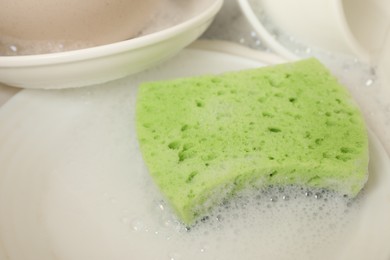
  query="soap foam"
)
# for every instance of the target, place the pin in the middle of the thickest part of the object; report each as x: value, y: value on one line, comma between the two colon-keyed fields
x: 274, y: 223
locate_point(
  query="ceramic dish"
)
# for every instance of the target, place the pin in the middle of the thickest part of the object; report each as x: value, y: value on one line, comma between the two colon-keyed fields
x: 268, y: 38
x: 328, y: 26
x: 334, y: 25
x: 73, y: 185
x: 108, y: 62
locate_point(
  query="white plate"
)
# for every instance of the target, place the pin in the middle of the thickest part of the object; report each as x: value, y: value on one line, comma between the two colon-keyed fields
x: 69, y: 164
x: 108, y: 62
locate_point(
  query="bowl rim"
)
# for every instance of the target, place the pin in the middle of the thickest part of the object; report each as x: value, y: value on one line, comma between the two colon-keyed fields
x: 350, y: 41
x: 266, y: 36
x: 112, y: 48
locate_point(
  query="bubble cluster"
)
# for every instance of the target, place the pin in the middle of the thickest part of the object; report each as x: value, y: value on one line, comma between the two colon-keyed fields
x: 14, y: 47
x: 272, y: 223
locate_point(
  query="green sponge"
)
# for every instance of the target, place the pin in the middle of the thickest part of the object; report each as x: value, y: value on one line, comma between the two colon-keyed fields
x: 205, y: 138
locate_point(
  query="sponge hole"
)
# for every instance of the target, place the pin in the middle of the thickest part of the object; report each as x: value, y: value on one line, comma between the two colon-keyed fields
x: 346, y: 150
x: 292, y: 99
x: 184, y: 128
x: 274, y: 129
x: 174, y: 145
x: 191, y: 176
x: 267, y: 114
x: 199, y: 103
x: 185, y: 154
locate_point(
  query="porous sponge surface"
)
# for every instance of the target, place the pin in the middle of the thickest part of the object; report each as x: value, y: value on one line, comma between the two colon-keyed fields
x: 205, y: 138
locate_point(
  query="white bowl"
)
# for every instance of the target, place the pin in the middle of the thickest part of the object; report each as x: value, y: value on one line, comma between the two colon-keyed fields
x: 354, y: 28
x: 107, y: 62
x: 29, y: 27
